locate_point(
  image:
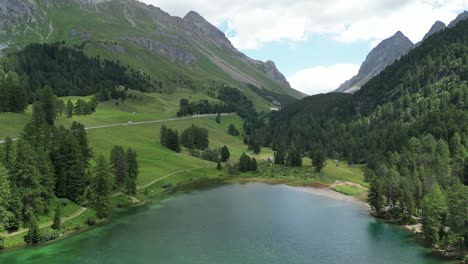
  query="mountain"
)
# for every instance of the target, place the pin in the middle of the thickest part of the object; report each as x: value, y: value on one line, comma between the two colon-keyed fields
x: 179, y: 52
x: 407, y: 125
x: 389, y: 51
x: 384, y: 54
x: 437, y: 27
x: 459, y: 18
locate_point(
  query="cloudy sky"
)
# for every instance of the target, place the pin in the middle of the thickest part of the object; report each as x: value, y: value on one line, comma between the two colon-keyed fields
x: 316, y: 44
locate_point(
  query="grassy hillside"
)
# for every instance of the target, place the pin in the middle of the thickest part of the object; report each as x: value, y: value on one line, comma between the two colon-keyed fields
x: 109, y: 30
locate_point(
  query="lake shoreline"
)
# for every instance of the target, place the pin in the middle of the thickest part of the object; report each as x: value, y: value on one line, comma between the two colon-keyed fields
x: 319, y: 189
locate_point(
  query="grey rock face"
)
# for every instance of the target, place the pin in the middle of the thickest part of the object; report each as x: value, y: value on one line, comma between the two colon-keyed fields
x: 168, y: 51
x: 437, y: 27
x: 459, y: 18
x: 384, y: 54
x: 273, y: 72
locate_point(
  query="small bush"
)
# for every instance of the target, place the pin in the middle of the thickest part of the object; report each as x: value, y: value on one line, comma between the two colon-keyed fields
x: 49, y: 235
x: 91, y: 221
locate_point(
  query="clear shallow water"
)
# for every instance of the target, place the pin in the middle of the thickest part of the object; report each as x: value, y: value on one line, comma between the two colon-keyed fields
x: 241, y: 224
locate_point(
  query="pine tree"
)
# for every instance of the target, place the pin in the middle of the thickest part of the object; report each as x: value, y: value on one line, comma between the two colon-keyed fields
x: 457, y: 201
x: 219, y: 166
x: 32, y: 237
x: 8, y: 152
x: 119, y: 167
x: 375, y: 195
x: 244, y: 163
x: 132, y: 172
x: 69, y: 109
x: 79, y: 131
x: 5, y: 195
x: 232, y: 130
x: 256, y: 147
x: 218, y: 118
x: 25, y: 176
x: 163, y: 135
x: 280, y: 156
x: 434, y: 207
x: 318, y: 159
x: 294, y: 158
x: 101, y: 188
x: 48, y: 100
x: 57, y: 224
x: 254, y: 165
x: 225, y: 154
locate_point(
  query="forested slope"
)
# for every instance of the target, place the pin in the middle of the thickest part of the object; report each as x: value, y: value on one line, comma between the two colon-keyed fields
x: 410, y: 125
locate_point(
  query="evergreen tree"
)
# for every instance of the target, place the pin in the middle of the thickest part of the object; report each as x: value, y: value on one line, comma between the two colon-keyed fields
x: 26, y: 178
x: 256, y: 147
x: 457, y: 214
x: 244, y: 163
x: 219, y: 166
x: 48, y: 103
x: 8, y: 152
x: 218, y: 118
x: 294, y: 158
x: 69, y: 109
x: 232, y: 130
x: 253, y: 165
x: 280, y: 156
x: 5, y: 195
x: 132, y: 172
x: 434, y: 211
x: 225, y: 154
x: 318, y: 159
x: 32, y: 237
x: 79, y: 131
x: 119, y: 166
x: 163, y: 135
x: 101, y: 188
x: 375, y: 195
x: 57, y: 221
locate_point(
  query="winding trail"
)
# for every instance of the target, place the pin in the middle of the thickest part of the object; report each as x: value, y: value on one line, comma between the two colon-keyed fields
x: 130, y: 123
x: 83, y: 209
x: 44, y: 225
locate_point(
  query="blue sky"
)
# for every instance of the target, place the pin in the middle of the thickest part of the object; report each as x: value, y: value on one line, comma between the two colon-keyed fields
x: 316, y: 44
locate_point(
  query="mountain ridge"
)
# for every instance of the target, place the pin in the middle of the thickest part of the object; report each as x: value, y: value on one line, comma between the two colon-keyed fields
x: 143, y: 36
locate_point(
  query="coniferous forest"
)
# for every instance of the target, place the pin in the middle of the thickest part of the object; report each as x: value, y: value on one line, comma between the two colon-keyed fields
x: 48, y: 163
x: 408, y: 124
x: 67, y: 71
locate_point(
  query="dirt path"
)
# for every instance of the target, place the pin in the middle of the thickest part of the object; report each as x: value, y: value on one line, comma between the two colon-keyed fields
x: 44, y: 225
x: 148, y: 122
x: 51, y: 30
x: 130, y: 123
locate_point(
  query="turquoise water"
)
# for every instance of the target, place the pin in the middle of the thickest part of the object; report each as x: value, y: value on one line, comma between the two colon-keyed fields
x: 242, y: 224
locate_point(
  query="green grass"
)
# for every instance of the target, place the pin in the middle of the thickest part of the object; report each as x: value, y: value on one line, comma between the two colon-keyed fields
x: 344, y: 172
x: 145, y: 107
x: 349, y: 189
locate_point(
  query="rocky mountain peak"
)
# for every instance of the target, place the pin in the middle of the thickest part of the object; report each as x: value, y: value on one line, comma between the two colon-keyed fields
x: 459, y: 18
x: 206, y: 27
x: 384, y: 54
x: 437, y: 27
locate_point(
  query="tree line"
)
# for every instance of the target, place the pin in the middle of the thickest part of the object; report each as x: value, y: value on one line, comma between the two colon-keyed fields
x: 408, y: 124
x: 67, y: 71
x: 49, y: 162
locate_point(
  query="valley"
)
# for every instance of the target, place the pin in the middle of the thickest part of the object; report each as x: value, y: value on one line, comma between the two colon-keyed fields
x: 128, y: 134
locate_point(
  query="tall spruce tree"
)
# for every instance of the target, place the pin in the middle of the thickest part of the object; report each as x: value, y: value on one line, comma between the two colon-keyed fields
x: 434, y: 212
x: 57, y: 223
x: 132, y: 172
x: 225, y: 154
x: 33, y: 234
x: 118, y: 162
x: 101, y: 188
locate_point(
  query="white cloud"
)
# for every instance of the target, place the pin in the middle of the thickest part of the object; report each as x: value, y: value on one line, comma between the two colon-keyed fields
x: 322, y: 79
x: 253, y: 23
